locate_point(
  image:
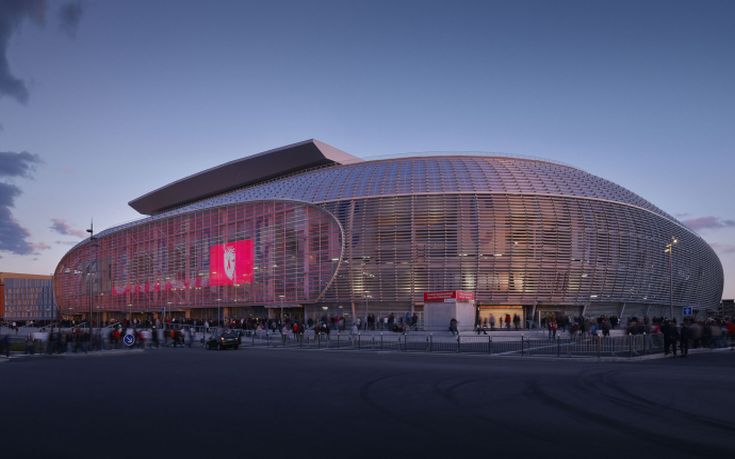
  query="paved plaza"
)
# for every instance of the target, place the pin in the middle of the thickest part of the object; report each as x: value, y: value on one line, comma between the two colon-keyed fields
x: 325, y: 403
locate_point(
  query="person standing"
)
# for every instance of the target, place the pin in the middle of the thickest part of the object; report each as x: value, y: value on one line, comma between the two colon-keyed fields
x: 453, y: 326
x: 684, y: 335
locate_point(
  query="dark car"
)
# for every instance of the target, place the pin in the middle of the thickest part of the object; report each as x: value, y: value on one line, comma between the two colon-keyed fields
x: 224, y: 340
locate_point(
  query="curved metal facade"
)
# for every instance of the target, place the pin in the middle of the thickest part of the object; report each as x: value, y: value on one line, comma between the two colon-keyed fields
x: 166, y: 263
x: 514, y: 231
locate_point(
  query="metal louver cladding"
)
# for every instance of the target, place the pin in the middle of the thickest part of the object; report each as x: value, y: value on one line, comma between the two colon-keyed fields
x: 296, y: 252
x: 518, y: 232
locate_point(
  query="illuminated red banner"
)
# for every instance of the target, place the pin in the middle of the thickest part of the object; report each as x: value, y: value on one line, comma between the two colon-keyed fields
x: 459, y: 295
x: 231, y: 263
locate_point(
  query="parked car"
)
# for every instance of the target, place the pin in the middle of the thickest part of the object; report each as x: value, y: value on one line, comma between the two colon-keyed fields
x: 224, y: 340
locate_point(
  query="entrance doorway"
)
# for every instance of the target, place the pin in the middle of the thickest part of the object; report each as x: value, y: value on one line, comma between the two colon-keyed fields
x: 500, y: 317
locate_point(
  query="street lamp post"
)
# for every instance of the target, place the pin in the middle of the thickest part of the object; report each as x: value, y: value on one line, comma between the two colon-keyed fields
x: 281, y: 297
x: 90, y: 290
x: 670, y: 251
x: 367, y: 301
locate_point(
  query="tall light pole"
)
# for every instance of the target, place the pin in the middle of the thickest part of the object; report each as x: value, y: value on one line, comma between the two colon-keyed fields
x: 281, y: 297
x: 670, y: 251
x: 367, y: 300
x: 90, y: 290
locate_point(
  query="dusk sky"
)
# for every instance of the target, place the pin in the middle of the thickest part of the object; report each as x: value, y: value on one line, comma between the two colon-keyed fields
x: 102, y: 101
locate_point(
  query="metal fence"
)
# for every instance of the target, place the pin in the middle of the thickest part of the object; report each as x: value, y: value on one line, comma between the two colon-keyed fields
x: 591, y: 346
x: 561, y: 347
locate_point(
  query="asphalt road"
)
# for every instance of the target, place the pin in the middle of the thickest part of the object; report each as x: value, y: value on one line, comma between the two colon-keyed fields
x: 291, y: 403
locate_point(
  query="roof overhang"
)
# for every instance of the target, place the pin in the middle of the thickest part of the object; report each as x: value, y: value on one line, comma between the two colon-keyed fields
x: 242, y: 172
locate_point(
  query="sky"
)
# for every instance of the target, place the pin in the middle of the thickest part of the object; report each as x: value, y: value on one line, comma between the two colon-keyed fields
x: 103, y: 101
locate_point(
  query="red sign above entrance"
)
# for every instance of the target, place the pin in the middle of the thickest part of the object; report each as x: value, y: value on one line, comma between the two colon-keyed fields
x: 438, y: 297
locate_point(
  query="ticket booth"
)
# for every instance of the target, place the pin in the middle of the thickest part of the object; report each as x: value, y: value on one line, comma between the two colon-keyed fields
x: 441, y: 307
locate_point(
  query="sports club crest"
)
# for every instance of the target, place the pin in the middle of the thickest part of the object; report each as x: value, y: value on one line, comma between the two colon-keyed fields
x: 231, y: 263
x: 229, y: 259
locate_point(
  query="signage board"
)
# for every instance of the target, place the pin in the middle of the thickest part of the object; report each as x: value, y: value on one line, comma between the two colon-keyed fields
x: 439, y: 297
x: 231, y: 263
x: 687, y: 311
x: 129, y: 339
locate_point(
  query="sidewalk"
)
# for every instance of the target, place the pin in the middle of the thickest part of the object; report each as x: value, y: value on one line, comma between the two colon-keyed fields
x: 23, y: 356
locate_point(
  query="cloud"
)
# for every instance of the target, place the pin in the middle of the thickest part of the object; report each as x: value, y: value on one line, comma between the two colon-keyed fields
x: 70, y: 14
x: 63, y: 228
x: 66, y: 242
x: 704, y: 223
x: 36, y: 246
x: 13, y: 236
x: 723, y: 249
x: 12, y: 14
x: 21, y: 164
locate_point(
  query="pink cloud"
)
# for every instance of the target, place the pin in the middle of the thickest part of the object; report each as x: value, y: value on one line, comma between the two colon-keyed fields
x: 40, y: 246
x: 703, y: 223
x: 62, y: 227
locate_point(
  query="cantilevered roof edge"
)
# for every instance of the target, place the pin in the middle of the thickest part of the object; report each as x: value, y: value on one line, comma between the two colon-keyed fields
x: 241, y: 172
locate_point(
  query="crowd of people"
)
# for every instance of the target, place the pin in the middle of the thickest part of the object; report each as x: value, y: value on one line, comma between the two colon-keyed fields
x: 681, y: 335
x: 678, y: 337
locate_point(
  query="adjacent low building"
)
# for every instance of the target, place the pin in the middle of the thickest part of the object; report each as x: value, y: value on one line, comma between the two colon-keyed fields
x: 25, y: 297
x: 317, y: 232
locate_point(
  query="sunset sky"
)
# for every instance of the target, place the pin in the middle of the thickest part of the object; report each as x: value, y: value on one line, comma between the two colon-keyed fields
x: 102, y: 101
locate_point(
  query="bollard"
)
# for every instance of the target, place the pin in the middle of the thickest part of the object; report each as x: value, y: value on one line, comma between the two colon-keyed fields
x: 459, y: 343
x: 522, y: 339
x: 301, y: 339
x: 337, y: 340
x: 630, y: 344
x: 252, y: 340
x: 372, y: 343
x: 358, y: 341
x: 644, y: 343
x: 489, y: 344
x: 381, y: 341
x: 558, y: 347
x: 431, y: 341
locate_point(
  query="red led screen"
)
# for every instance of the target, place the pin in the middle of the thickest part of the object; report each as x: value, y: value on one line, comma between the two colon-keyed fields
x: 231, y: 263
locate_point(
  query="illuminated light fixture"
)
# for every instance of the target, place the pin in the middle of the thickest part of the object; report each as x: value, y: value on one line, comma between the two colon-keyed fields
x: 515, y: 242
x: 584, y: 274
x: 335, y: 259
x: 324, y: 308
x: 462, y: 254
x: 593, y: 296
x: 498, y: 255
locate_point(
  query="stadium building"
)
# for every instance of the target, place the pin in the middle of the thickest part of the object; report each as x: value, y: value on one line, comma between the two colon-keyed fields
x: 316, y: 232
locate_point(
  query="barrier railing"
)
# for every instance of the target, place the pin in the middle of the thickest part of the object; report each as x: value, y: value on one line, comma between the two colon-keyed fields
x: 589, y: 346
x: 535, y: 345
